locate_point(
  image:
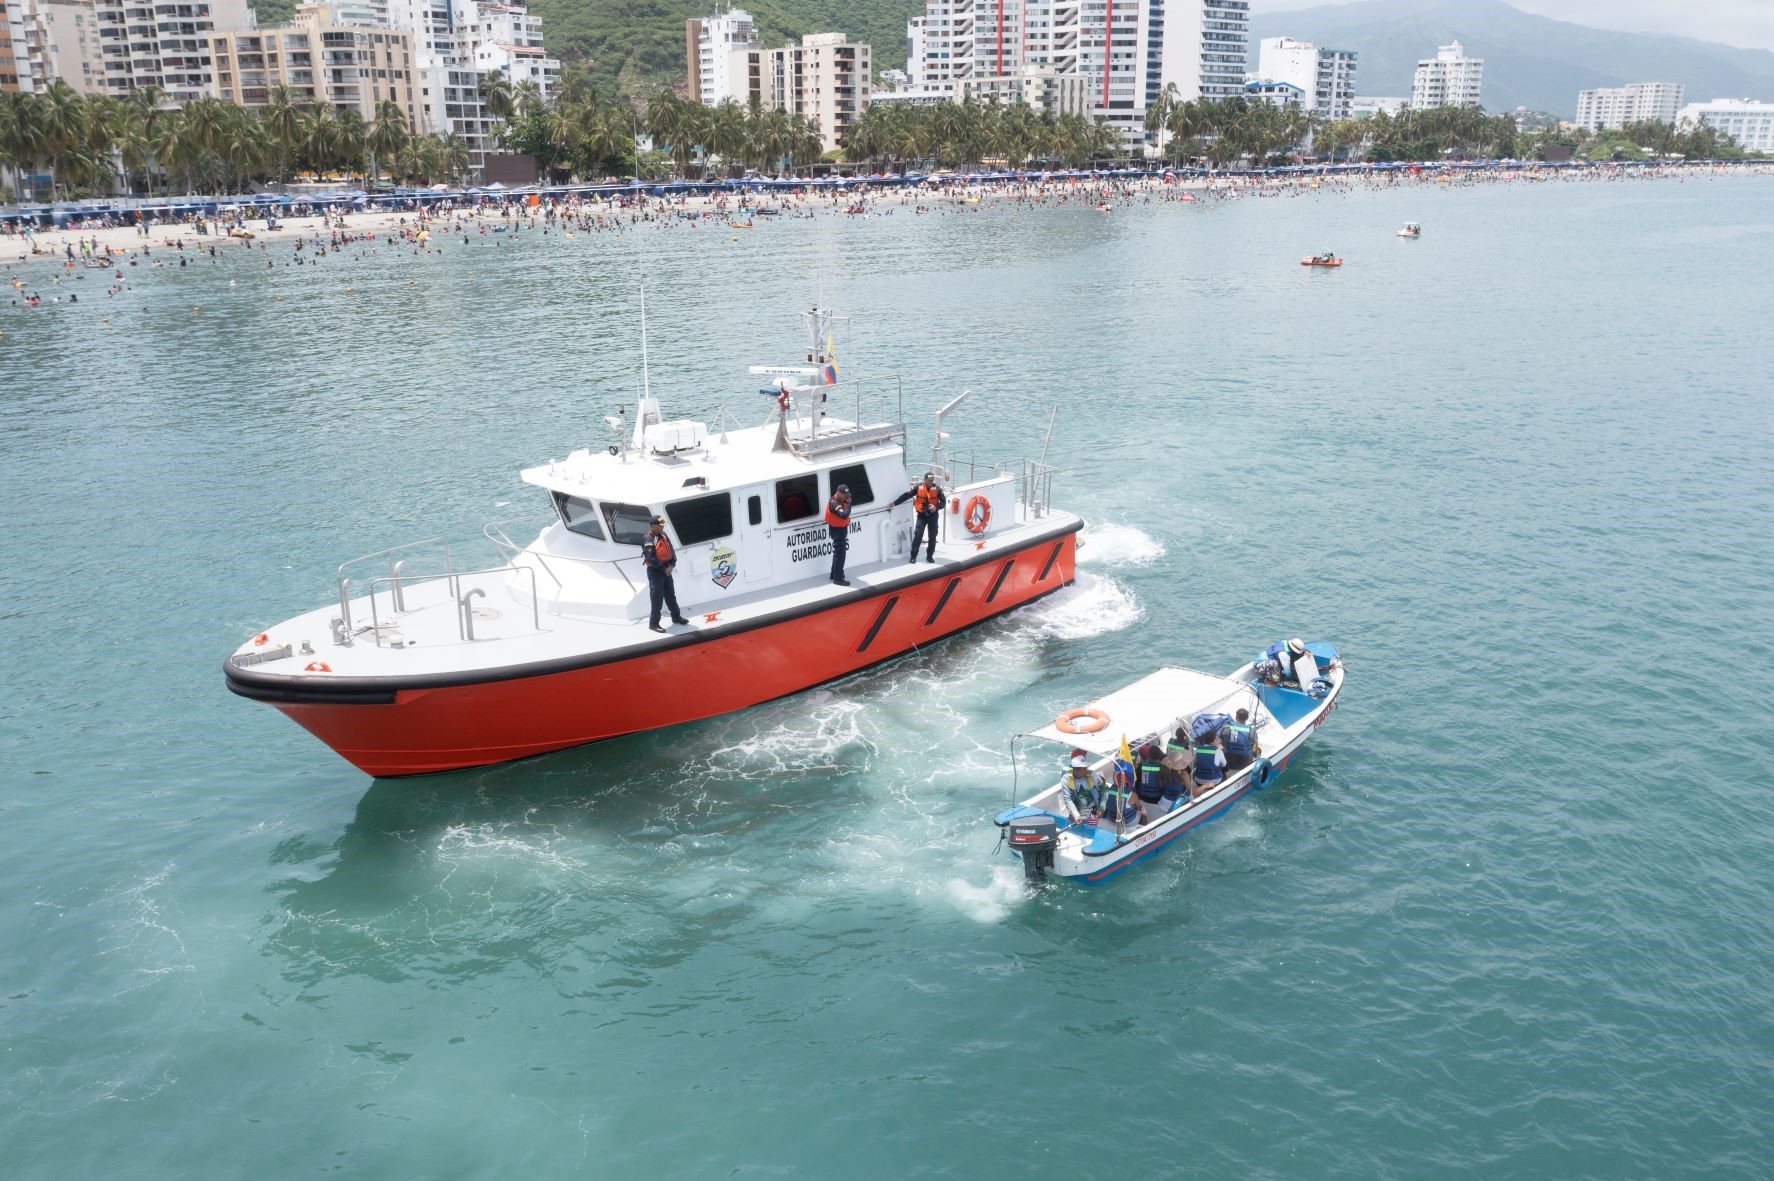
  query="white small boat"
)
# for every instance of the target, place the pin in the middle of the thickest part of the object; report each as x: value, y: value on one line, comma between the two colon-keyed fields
x: 1050, y: 836
x: 1411, y: 230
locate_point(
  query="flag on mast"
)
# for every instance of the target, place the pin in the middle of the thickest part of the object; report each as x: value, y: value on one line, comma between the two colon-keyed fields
x: 830, y: 372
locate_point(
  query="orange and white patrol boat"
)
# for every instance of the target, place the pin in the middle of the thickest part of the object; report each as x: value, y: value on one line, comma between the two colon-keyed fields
x: 424, y: 661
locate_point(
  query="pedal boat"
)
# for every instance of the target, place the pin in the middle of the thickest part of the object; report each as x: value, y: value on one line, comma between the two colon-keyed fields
x: 1050, y: 838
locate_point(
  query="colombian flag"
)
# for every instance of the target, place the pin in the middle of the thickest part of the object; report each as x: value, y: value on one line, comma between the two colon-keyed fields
x: 830, y: 373
x: 1124, y: 761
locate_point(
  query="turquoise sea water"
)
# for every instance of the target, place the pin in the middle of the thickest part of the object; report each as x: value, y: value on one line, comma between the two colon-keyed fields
x: 1511, y: 913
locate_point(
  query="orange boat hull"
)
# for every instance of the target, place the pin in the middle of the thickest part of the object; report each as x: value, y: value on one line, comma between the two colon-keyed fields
x: 386, y: 729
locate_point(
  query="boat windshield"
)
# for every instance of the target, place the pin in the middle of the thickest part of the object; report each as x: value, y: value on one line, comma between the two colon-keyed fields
x: 628, y: 522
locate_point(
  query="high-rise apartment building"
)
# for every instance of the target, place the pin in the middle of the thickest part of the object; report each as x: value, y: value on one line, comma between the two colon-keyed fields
x: 71, y: 44
x: 916, y: 44
x: 508, y: 38
x: 145, y: 43
x: 825, y: 78
x: 347, y: 67
x: 1206, y: 47
x: 1449, y: 79
x: 1749, y: 124
x: 1324, y: 77
x: 1609, y: 108
x: 722, y: 54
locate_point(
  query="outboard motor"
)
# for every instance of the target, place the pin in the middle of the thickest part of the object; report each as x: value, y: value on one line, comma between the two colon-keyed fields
x: 1035, y: 838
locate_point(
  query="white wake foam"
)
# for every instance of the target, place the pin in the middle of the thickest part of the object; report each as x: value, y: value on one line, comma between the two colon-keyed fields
x: 1109, y: 544
x: 991, y: 902
x: 1094, y: 605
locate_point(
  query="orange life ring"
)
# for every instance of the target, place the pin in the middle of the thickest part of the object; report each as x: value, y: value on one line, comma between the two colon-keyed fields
x: 979, y: 515
x: 318, y: 666
x: 1081, y: 721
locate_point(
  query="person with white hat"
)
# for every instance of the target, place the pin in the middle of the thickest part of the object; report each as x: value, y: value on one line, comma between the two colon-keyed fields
x: 1277, y: 663
x: 1082, y: 788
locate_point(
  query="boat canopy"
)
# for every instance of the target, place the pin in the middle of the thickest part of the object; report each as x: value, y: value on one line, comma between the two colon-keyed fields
x: 1149, y: 705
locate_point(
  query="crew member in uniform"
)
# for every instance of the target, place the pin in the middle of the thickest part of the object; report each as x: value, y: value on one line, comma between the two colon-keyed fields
x: 837, y: 523
x: 927, y: 497
x: 659, y: 559
x: 1239, y: 742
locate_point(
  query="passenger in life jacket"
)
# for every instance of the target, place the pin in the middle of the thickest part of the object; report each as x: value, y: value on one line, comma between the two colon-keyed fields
x: 1149, y: 781
x: 837, y: 522
x: 1122, y: 805
x: 1277, y: 665
x: 927, y: 497
x: 1178, y: 762
x: 1239, y: 741
x: 659, y: 559
x: 1210, y: 763
x: 1082, y: 788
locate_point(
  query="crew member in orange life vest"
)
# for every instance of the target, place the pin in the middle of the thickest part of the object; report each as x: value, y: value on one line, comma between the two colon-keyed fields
x: 927, y: 500
x: 657, y: 556
x: 837, y: 523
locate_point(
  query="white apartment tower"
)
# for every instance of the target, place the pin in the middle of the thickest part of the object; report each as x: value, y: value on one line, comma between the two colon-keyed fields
x: 164, y: 44
x: 1609, y: 108
x: 826, y: 78
x: 1449, y: 79
x: 1749, y: 124
x: 721, y: 51
x: 1325, y: 77
x: 1206, y: 44
x: 508, y: 39
x: 916, y: 45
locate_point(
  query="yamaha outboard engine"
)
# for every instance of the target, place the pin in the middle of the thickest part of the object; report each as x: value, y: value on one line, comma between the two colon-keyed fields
x: 1035, y: 838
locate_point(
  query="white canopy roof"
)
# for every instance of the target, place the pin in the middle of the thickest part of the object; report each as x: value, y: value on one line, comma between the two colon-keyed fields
x: 1149, y: 705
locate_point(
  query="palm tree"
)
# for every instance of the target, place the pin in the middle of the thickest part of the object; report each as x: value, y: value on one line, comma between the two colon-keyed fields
x: 528, y: 97
x: 282, y: 117
x: 1159, y: 113
x: 496, y: 94
x: 453, y: 157
x: 387, y: 134
x: 61, y: 118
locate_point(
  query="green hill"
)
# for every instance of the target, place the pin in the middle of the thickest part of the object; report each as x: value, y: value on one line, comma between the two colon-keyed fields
x: 638, y: 45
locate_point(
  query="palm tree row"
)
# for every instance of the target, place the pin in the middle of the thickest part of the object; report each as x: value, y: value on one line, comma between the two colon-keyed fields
x: 101, y: 144
x: 744, y: 135
x: 966, y: 133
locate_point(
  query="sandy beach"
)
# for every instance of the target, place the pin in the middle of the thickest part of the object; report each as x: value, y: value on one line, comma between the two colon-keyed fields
x: 32, y: 258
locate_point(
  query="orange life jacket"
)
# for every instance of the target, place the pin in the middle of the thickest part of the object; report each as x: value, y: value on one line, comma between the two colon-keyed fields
x: 833, y: 517
x: 662, y: 551
x: 927, y: 499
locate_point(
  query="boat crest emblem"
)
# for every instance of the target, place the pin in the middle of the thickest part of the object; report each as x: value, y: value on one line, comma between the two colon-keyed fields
x: 723, y: 566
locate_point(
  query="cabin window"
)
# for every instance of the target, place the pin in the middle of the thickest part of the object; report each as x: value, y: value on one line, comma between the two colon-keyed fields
x: 702, y: 519
x: 578, y: 514
x: 856, y: 477
x: 754, y: 509
x: 628, y: 522
x: 795, y: 498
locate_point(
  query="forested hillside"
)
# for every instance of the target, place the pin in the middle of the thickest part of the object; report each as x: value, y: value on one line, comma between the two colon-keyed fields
x: 638, y: 45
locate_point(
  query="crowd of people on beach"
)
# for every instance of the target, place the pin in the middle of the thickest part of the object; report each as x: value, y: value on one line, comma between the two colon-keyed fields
x: 306, y: 236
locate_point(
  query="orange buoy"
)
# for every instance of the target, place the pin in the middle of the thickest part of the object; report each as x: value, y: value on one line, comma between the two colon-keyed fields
x: 979, y: 515
x: 1081, y: 721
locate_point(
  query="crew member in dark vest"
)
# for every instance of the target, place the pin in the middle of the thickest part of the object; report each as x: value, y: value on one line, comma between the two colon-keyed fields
x: 837, y: 523
x: 1210, y: 763
x: 1239, y: 742
x: 659, y: 559
x: 1149, y: 781
x: 927, y: 497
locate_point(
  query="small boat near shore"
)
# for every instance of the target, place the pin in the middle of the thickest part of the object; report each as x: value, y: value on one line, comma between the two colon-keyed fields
x: 1050, y: 835
x: 1327, y: 259
x: 1411, y: 230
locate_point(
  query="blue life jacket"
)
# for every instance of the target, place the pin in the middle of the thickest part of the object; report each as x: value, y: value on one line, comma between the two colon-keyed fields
x: 1118, y: 805
x: 1207, y: 765
x: 1237, y: 738
x: 1150, y: 784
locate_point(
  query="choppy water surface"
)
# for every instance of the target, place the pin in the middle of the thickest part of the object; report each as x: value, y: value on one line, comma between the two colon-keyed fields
x: 1510, y: 913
